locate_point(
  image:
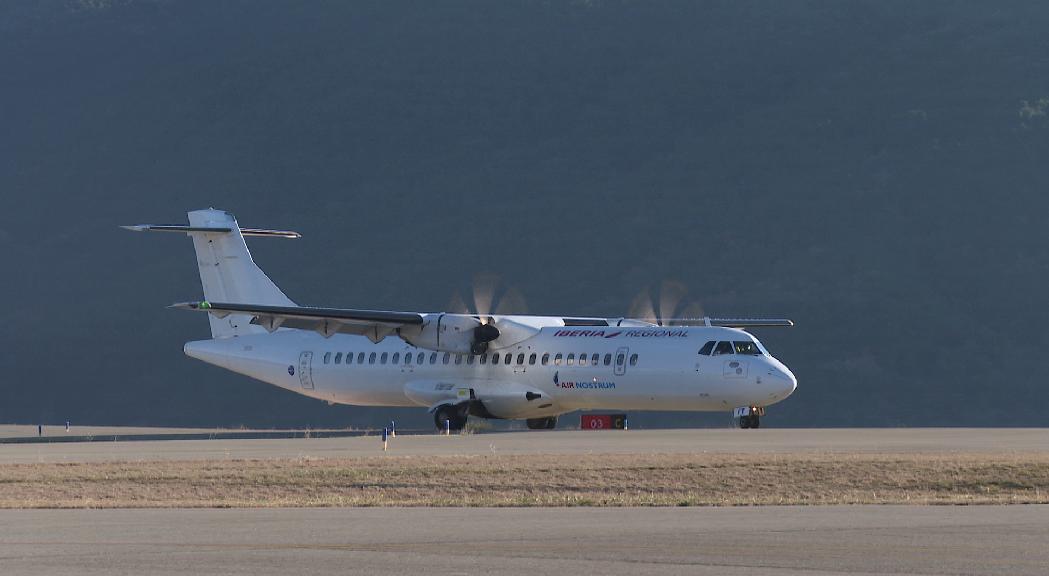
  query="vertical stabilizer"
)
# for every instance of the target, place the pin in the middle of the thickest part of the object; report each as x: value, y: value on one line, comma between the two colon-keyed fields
x: 227, y: 272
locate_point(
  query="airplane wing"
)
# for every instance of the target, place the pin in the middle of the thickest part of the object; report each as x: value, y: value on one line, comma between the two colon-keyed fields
x: 375, y: 324
x: 751, y: 322
x: 743, y: 323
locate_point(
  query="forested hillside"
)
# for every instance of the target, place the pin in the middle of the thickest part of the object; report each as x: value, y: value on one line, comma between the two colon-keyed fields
x: 876, y: 171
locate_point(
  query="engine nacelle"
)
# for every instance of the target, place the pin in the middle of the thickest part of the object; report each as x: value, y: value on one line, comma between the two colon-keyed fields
x: 448, y: 333
x: 466, y: 334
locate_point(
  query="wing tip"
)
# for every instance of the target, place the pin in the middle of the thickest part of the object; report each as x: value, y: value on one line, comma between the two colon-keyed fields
x: 202, y: 305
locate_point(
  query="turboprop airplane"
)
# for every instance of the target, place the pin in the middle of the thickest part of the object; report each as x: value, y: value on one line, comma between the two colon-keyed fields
x: 459, y: 365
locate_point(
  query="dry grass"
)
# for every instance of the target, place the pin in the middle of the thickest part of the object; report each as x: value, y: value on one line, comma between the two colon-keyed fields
x: 571, y: 480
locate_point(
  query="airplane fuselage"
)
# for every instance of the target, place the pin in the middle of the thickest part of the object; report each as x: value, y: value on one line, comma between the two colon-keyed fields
x: 638, y: 368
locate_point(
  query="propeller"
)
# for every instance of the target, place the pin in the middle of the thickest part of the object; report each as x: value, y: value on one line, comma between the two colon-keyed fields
x: 670, y: 307
x: 488, y: 304
x: 484, y: 295
x: 641, y: 308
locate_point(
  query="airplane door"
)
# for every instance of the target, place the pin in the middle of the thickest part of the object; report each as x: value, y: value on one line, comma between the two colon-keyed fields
x: 519, y: 368
x: 306, y: 370
x: 621, y: 356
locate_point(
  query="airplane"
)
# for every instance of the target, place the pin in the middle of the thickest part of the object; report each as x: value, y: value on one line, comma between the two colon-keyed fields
x: 533, y: 368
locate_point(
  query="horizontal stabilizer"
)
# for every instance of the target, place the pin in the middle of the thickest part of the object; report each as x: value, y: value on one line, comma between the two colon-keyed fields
x: 211, y: 230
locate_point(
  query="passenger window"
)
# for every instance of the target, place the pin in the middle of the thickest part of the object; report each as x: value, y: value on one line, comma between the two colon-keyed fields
x: 520, y: 359
x: 396, y: 358
x: 382, y: 359
x: 484, y: 358
x: 495, y: 358
x: 557, y: 360
x: 633, y: 359
x: 360, y: 358
x: 327, y: 357
x: 531, y: 359
x: 748, y: 348
x: 570, y: 360
x: 620, y: 359
x: 349, y: 357
x: 433, y: 358
x: 371, y: 358
x: 546, y: 359
x: 407, y: 358
x: 723, y: 348
x: 446, y: 358
x: 458, y: 359
x: 594, y: 358
x: 338, y: 357
x: 470, y: 360
x: 508, y: 358
x: 707, y: 348
x: 608, y: 359
x: 419, y: 359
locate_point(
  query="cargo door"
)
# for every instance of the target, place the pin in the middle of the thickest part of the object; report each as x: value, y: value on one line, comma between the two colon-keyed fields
x: 306, y: 370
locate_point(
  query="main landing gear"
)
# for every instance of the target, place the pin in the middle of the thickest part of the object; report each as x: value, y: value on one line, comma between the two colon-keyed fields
x: 455, y: 416
x: 749, y: 416
x: 542, y: 423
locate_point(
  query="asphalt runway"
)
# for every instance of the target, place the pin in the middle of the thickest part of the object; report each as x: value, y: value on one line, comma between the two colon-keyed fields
x: 59, y: 430
x: 723, y: 541
x: 752, y: 541
x: 693, y: 441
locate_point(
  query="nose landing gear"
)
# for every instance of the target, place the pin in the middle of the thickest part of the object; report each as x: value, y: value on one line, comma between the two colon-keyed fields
x: 750, y: 422
x: 749, y: 416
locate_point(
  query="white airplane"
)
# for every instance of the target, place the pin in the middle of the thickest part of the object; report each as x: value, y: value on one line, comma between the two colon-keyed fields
x: 459, y: 365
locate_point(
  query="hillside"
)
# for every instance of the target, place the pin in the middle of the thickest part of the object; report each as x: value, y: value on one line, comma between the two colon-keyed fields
x: 874, y: 170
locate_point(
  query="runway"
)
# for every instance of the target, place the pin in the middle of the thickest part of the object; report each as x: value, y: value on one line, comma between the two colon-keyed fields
x: 690, y: 441
x: 662, y: 541
x: 812, y: 540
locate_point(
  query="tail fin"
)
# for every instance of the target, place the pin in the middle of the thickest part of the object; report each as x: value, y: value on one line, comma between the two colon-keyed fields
x: 227, y: 272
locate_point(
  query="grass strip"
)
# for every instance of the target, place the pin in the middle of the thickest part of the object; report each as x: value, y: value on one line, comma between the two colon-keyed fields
x: 547, y: 480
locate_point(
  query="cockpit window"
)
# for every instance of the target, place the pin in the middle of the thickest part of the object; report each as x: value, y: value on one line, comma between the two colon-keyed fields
x: 707, y: 348
x: 723, y: 348
x: 748, y: 348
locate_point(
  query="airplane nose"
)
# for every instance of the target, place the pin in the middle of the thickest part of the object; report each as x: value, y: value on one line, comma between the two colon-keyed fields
x: 793, y: 382
x: 785, y: 379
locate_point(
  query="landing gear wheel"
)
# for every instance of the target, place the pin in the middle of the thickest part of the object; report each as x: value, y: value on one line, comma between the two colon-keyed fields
x: 455, y: 417
x: 752, y: 421
x: 749, y: 416
x: 542, y: 423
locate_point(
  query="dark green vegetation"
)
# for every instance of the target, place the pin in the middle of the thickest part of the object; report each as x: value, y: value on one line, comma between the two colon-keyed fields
x: 874, y: 170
